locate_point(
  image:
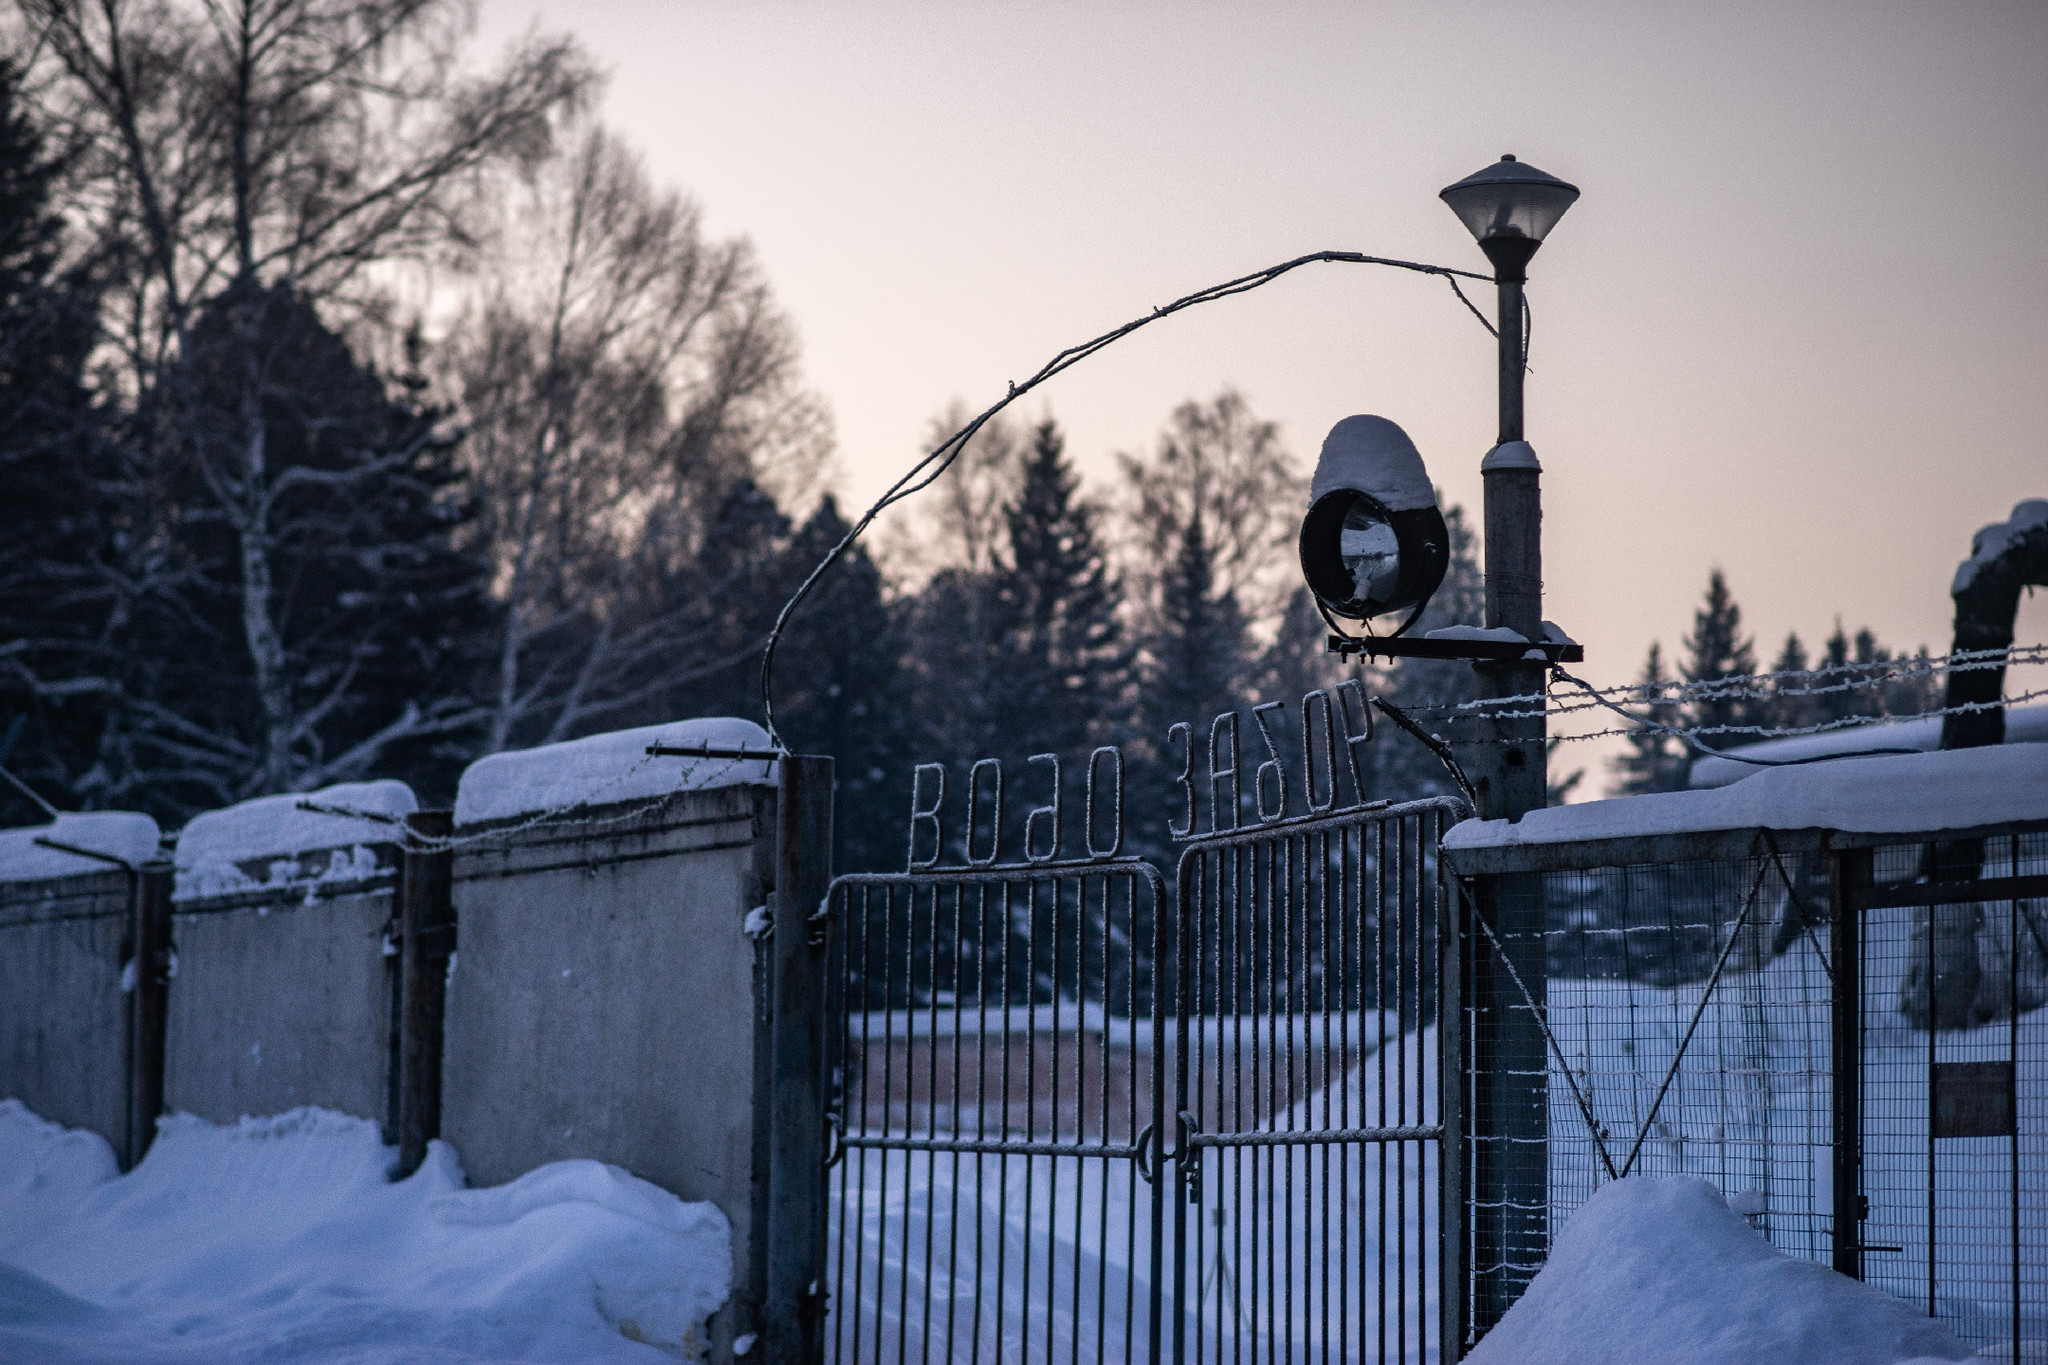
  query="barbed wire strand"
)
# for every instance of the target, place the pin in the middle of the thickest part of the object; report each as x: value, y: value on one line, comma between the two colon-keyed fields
x: 934, y: 464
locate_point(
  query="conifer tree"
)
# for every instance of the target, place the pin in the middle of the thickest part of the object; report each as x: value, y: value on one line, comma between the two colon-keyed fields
x: 1064, y: 659
x: 1655, y: 761
x: 1717, y: 650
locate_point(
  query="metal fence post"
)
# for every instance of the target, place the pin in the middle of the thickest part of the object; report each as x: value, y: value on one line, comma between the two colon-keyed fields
x: 148, y: 1006
x: 1850, y: 871
x: 795, y: 1236
x: 1509, y: 1118
x: 1454, y: 1220
x: 426, y: 916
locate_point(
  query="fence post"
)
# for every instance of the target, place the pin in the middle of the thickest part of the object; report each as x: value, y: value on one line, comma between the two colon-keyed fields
x: 148, y: 1006
x: 1454, y: 1223
x: 426, y: 918
x: 795, y: 1243
x: 1850, y: 871
x: 1509, y: 1118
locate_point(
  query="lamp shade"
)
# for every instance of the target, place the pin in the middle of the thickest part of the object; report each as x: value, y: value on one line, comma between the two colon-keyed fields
x: 1510, y: 199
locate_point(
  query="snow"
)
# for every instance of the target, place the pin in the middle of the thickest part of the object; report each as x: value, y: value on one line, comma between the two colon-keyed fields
x: 1664, y: 1270
x: 2023, y: 725
x: 1498, y: 635
x: 282, y: 1239
x: 1373, y: 455
x: 120, y: 834
x: 1991, y: 542
x: 1902, y: 794
x: 607, y: 768
x: 1510, y: 455
x: 214, y: 847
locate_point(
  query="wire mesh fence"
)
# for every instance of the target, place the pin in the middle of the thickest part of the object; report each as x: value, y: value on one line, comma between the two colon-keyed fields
x: 1857, y: 1059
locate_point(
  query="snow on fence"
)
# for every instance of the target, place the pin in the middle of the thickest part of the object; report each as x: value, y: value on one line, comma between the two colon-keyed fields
x: 1785, y: 986
x: 606, y: 999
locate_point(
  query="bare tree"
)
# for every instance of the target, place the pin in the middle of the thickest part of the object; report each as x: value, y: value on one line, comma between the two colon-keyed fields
x: 958, y: 523
x: 1219, y: 465
x: 619, y: 373
x: 247, y: 168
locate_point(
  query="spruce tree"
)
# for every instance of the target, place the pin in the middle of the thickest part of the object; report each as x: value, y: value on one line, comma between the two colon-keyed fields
x: 839, y: 693
x: 1717, y: 650
x: 1655, y: 761
x: 52, y: 475
x: 1790, y: 706
x: 1063, y: 653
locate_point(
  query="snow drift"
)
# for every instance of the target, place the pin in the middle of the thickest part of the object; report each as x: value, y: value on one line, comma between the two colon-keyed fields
x: 1664, y: 1270
x: 282, y: 1239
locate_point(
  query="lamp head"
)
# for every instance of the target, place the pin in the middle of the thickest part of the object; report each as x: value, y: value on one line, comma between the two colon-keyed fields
x: 1509, y: 208
x: 1373, y: 541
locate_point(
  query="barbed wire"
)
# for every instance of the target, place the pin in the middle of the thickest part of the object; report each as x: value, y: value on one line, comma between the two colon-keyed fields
x: 934, y: 464
x: 1753, y: 686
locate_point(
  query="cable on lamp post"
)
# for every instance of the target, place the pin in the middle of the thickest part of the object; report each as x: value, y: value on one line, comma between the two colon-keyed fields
x: 1509, y: 207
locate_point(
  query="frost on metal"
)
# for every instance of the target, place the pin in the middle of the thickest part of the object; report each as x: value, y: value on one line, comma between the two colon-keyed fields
x: 601, y: 770
x: 267, y: 842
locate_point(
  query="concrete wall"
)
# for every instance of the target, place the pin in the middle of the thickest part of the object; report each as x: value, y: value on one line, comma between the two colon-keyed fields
x: 282, y: 999
x: 604, y: 1004
x: 63, y: 1016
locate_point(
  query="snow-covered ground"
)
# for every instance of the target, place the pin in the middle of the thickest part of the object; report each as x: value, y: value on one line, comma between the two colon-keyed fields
x: 1663, y: 1270
x: 1750, y: 1109
x: 282, y: 1240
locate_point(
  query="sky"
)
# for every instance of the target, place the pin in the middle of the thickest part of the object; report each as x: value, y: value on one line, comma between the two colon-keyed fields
x: 1796, y: 327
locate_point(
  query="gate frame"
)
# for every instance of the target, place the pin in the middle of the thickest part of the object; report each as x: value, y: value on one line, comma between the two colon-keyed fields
x: 1449, y: 1129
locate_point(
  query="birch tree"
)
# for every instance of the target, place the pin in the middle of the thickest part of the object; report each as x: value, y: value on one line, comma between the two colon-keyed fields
x: 245, y: 163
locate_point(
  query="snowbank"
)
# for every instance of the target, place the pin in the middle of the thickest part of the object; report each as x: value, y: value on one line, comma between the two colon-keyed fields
x: 2023, y: 725
x: 282, y: 1240
x: 1903, y: 794
x: 607, y: 768
x: 1664, y: 1270
x: 117, y: 833
x: 215, y: 848
x: 1668, y: 1271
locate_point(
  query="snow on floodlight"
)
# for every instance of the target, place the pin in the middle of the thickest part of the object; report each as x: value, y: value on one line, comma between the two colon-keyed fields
x: 1374, y: 541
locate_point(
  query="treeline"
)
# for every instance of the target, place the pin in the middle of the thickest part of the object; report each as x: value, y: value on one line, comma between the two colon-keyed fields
x: 364, y: 410
x: 1851, y: 676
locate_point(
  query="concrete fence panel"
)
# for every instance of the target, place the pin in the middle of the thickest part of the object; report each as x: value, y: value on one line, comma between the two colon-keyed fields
x: 285, y: 958
x: 66, y: 930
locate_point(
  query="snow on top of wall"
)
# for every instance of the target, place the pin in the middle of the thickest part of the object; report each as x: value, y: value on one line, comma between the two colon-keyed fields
x: 212, y: 848
x: 119, y: 833
x: 1993, y: 541
x: 1654, y: 1269
x: 2023, y: 725
x: 603, y: 769
x: 248, y: 1242
x: 1905, y: 794
x: 1374, y: 455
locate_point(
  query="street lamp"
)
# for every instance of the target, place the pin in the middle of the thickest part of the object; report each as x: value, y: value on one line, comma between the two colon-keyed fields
x: 1510, y: 207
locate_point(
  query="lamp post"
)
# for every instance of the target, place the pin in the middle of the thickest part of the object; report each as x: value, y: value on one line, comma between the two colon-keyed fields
x: 1510, y: 207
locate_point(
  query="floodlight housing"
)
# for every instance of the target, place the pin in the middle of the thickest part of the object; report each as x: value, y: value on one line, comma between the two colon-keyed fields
x: 1374, y: 541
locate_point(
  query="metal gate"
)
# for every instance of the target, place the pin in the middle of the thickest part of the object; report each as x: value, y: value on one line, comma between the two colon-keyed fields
x: 1940, y: 1083
x: 1074, y: 1118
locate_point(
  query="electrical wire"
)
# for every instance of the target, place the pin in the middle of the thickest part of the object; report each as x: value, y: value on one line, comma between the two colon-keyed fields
x: 921, y: 475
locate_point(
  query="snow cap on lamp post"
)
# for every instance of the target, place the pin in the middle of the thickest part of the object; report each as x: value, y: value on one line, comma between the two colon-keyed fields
x: 1509, y: 207
x: 1373, y: 541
